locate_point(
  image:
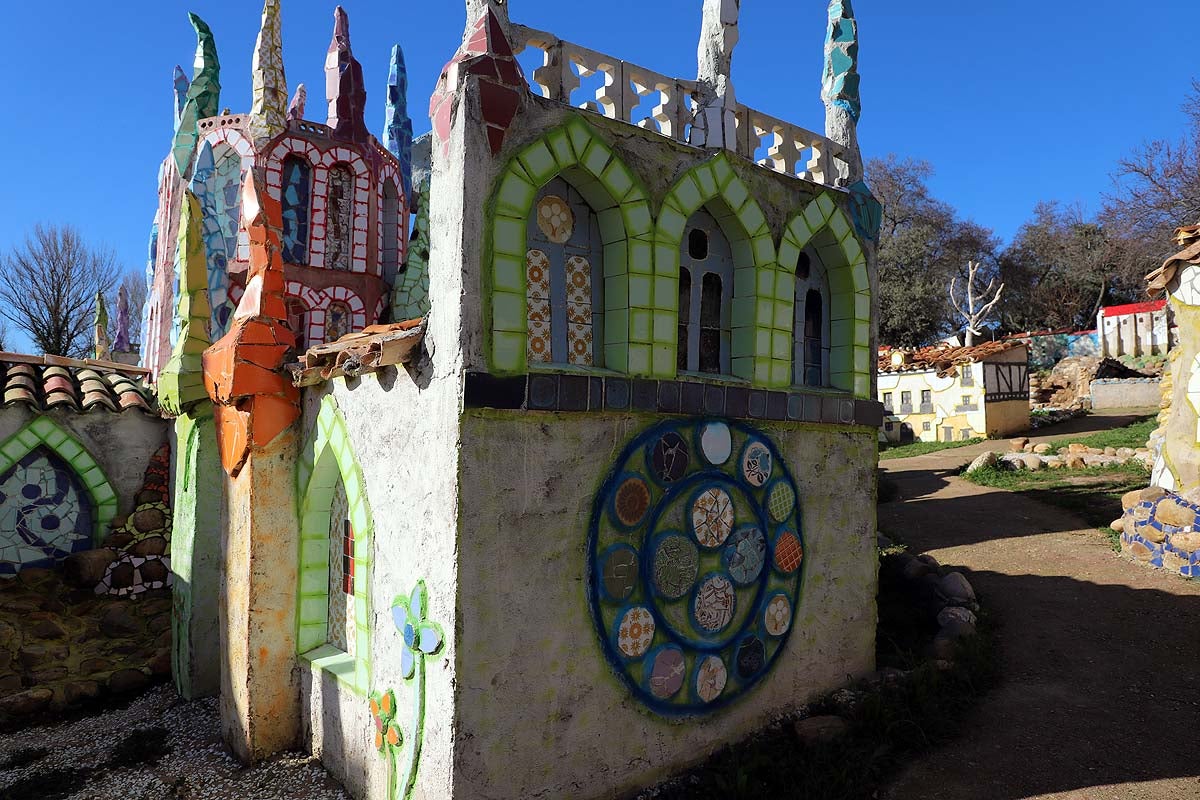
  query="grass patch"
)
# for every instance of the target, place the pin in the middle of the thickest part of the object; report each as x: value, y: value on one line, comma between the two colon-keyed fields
x: 887, y: 452
x: 1133, y: 436
x: 1092, y: 494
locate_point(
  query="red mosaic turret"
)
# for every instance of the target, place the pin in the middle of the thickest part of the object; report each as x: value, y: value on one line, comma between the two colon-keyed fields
x: 344, y: 86
x: 502, y: 85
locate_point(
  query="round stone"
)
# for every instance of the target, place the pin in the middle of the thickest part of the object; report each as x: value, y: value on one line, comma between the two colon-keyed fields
x: 778, y: 616
x: 632, y: 502
x: 751, y: 657
x: 555, y: 219
x: 667, y: 673
x: 781, y: 501
x: 670, y: 458
x: 788, y: 553
x: 711, y: 677
x: 712, y: 517
x: 714, y: 604
x: 620, y: 573
x: 757, y: 464
x: 636, y: 632
x: 745, y: 555
x: 676, y: 563
x: 716, y: 442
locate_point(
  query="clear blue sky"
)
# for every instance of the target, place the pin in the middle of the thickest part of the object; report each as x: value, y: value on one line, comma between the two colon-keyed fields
x: 1012, y: 101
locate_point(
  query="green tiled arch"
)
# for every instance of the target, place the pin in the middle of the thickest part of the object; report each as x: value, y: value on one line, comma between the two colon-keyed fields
x: 758, y: 308
x: 327, y: 455
x: 614, y: 192
x: 828, y: 228
x: 45, y: 431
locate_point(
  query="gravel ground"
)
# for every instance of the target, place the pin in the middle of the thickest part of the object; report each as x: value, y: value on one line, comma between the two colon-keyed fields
x: 158, y: 747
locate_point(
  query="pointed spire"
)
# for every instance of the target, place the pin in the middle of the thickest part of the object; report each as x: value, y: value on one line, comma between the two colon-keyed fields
x: 344, y: 87
x: 203, y: 96
x: 206, y: 77
x: 477, y: 8
x: 296, y: 109
x: 181, y: 383
x: 121, y: 342
x: 715, y: 124
x: 398, y: 132
x: 181, y: 89
x: 268, y: 112
x: 840, y: 86
x: 103, y: 347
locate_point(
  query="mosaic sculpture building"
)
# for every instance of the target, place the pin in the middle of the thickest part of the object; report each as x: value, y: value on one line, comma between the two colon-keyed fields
x: 598, y: 456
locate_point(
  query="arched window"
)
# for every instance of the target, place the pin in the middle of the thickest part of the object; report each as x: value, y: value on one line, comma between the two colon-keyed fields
x: 390, y: 257
x: 338, y: 321
x: 707, y: 263
x: 339, y: 235
x: 564, y: 270
x: 297, y: 197
x: 45, y: 512
x: 341, y: 572
x: 811, y: 323
x: 298, y: 322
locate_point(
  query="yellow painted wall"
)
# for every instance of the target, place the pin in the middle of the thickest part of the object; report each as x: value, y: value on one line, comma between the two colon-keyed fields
x: 1007, y: 419
x: 947, y: 395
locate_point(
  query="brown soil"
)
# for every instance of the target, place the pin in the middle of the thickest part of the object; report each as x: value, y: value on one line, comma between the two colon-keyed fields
x: 1100, y: 656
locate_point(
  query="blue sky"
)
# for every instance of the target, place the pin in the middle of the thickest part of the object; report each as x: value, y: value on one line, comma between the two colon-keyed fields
x: 1012, y: 101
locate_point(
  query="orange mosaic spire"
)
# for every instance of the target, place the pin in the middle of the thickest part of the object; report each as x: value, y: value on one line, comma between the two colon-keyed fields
x: 254, y: 402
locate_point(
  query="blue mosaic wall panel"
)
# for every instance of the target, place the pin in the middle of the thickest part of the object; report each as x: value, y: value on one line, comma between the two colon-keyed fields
x: 45, y: 513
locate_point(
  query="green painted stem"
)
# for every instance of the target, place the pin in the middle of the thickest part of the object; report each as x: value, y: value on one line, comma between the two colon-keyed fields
x: 418, y: 731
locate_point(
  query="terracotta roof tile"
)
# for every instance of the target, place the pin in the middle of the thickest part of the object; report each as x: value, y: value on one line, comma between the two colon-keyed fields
x: 355, y: 354
x: 943, y: 357
x: 45, y: 382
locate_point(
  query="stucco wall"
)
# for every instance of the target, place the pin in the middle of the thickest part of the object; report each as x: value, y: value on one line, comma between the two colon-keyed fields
x: 948, y: 409
x: 1007, y: 418
x: 1135, y: 393
x: 121, y: 444
x: 540, y: 711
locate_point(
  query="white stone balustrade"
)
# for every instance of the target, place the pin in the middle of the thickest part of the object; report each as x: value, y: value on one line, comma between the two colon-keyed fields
x: 790, y: 149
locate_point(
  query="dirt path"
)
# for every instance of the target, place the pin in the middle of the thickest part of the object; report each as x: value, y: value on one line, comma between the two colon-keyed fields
x: 1101, y: 657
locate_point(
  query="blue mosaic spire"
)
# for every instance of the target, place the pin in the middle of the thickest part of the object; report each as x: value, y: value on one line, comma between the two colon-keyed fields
x: 182, y: 83
x: 840, y: 84
x: 398, y: 131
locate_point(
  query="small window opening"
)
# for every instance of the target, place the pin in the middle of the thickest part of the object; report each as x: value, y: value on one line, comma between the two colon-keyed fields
x: 698, y: 244
x: 710, y: 324
x: 813, y: 343
x: 685, y: 318
x: 803, y: 266
x: 348, y: 557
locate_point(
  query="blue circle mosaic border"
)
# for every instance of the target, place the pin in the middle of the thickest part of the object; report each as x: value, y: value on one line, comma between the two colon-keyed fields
x: 703, y: 623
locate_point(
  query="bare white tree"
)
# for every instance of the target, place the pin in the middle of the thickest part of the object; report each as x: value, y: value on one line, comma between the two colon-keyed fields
x: 974, y: 306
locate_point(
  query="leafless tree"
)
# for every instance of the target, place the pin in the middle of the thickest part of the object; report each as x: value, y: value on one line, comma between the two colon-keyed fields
x: 48, y: 288
x: 974, y: 306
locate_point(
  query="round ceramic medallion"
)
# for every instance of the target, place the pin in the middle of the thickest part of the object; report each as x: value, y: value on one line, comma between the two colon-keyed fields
x: 555, y: 219
x: 745, y: 555
x: 636, y: 632
x: 757, y: 463
x: 714, y: 604
x: 712, y: 517
x: 696, y: 563
x: 632, y: 501
x: 711, y: 677
x: 620, y: 573
x: 676, y: 563
x: 667, y: 672
x: 716, y: 442
x: 778, y: 617
x: 788, y: 553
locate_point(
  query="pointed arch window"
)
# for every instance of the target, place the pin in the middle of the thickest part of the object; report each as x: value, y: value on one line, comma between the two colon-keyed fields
x: 564, y: 267
x: 339, y: 237
x: 811, y: 322
x: 297, y: 204
x: 390, y: 256
x: 705, y: 297
x: 341, y: 620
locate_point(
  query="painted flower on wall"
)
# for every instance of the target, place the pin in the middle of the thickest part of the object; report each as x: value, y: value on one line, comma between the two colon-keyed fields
x: 421, y: 637
x: 383, y: 713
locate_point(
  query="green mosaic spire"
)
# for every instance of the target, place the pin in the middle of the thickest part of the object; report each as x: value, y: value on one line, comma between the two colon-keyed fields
x: 203, y: 96
x: 410, y: 298
x: 839, y: 86
x: 181, y: 383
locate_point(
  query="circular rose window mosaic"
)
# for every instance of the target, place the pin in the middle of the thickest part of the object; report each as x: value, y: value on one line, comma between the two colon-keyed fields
x: 695, y: 560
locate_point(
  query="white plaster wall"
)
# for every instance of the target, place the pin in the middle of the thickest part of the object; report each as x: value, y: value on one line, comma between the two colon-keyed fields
x: 540, y: 713
x: 121, y: 444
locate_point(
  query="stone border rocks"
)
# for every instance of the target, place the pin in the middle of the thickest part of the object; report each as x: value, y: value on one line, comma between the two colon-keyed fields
x: 1024, y: 455
x: 1162, y: 530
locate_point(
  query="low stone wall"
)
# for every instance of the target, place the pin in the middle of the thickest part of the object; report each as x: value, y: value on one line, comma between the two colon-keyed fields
x: 1023, y: 455
x: 1158, y: 528
x: 1126, y: 392
x: 60, y: 648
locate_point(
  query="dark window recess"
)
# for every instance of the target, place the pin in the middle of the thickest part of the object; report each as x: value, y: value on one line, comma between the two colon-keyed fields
x: 965, y: 433
x: 803, y: 266
x: 391, y: 229
x: 926, y: 397
x: 906, y: 398
x: 348, y: 557
x: 698, y: 244
x: 888, y: 426
x: 887, y: 401
x: 685, y: 317
x: 710, y: 324
x: 813, y: 346
x: 297, y: 183
x: 948, y: 433
x: 298, y: 322
x: 927, y: 426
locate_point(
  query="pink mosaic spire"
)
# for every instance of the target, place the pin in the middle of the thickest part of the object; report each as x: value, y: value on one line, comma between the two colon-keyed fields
x: 344, y: 86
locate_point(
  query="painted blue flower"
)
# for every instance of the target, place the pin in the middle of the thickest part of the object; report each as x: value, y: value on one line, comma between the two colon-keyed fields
x: 422, y: 638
